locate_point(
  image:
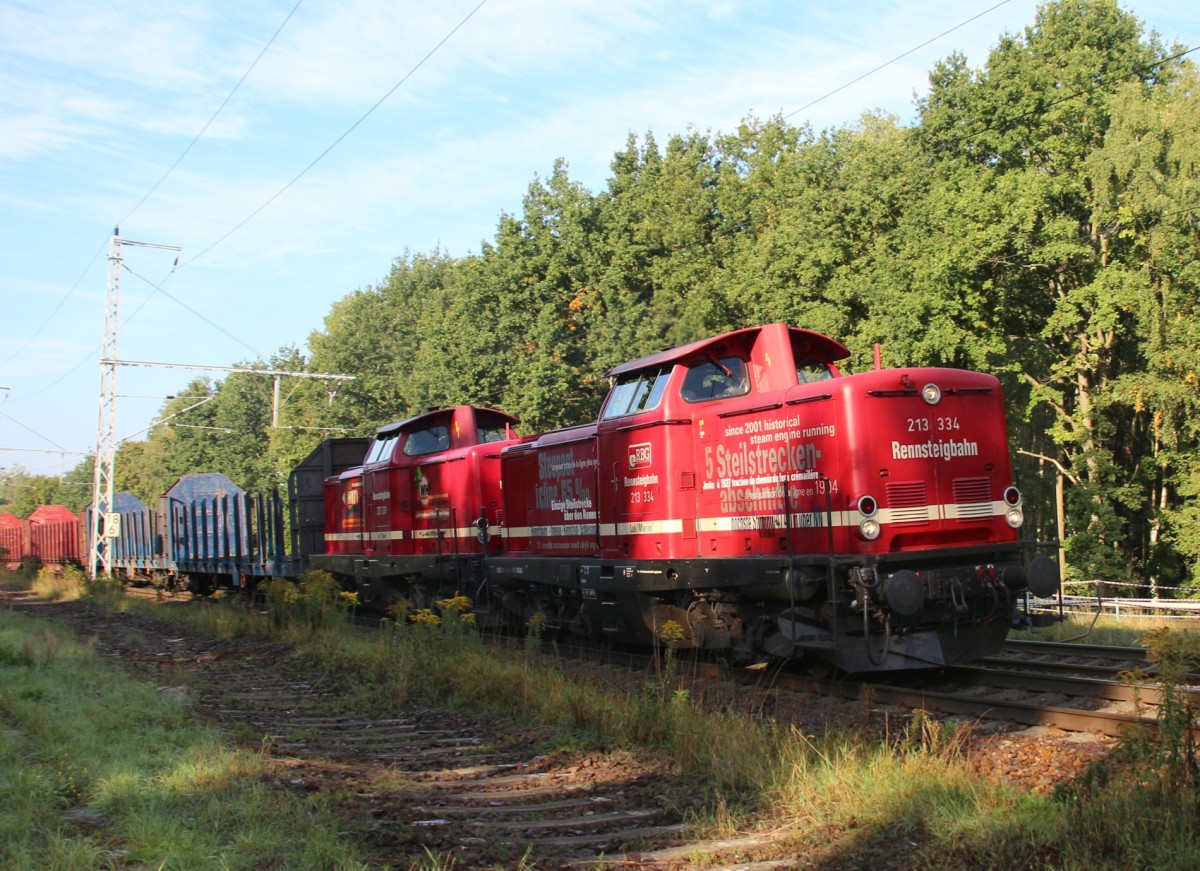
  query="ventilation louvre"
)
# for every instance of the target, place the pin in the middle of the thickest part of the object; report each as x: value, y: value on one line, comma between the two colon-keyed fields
x: 907, y: 502
x: 972, y: 499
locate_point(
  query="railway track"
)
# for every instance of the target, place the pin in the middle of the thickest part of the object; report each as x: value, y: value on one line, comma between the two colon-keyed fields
x: 1078, y: 688
x: 1080, y: 693
x: 1028, y: 700
x: 1031, y: 683
x: 1068, y: 686
x: 408, y: 779
x: 1097, y: 660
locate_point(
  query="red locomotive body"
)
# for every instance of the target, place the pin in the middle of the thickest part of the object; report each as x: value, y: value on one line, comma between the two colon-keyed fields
x: 740, y: 488
x: 422, y: 509
x: 738, y: 493
x: 344, y: 513
x: 550, y: 495
x: 744, y: 489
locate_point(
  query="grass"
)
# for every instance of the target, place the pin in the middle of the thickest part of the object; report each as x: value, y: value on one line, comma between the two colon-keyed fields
x: 1125, y: 632
x: 838, y: 798
x: 15, y: 579
x: 99, y: 771
x: 59, y: 584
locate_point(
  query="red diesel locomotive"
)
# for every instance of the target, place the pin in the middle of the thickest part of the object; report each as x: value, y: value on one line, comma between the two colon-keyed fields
x: 739, y: 487
x: 413, y: 517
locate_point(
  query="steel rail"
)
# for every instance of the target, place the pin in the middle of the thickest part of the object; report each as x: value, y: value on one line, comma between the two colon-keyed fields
x: 1083, y: 687
x: 1004, y: 663
x: 1064, y: 648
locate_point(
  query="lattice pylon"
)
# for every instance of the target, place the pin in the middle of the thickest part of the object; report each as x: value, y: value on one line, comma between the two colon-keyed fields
x: 99, y: 556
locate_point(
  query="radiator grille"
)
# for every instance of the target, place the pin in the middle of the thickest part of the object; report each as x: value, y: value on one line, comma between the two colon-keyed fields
x: 972, y: 497
x: 907, y: 502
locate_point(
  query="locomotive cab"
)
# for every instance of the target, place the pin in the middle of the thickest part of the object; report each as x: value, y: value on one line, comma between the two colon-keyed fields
x: 408, y: 523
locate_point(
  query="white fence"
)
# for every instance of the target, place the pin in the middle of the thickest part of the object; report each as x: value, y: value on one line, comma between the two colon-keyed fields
x: 1117, y: 606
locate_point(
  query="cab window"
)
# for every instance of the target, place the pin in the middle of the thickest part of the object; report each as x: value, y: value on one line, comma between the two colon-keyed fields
x: 492, y: 432
x: 427, y: 440
x: 636, y: 391
x: 715, y: 379
x: 809, y: 371
x: 381, y: 450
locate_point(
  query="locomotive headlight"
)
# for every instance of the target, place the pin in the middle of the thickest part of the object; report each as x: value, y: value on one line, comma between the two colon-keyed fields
x: 867, y: 506
x: 931, y: 393
x: 1012, y: 496
x: 870, y: 529
x: 1015, y: 516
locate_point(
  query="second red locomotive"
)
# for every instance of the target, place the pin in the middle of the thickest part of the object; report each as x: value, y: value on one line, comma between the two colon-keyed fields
x: 739, y: 489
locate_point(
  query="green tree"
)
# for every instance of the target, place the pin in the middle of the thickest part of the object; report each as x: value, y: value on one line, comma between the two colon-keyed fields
x: 181, y: 441
x: 1031, y: 121
x: 22, y: 492
x: 1148, y: 194
x: 540, y: 265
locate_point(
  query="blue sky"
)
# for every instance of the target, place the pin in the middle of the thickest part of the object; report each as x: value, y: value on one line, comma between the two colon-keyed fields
x: 98, y: 101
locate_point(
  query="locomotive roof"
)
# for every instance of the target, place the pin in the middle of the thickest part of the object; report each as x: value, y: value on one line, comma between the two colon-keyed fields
x: 393, y: 428
x: 819, y: 346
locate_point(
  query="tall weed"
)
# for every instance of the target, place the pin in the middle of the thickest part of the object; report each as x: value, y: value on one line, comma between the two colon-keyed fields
x: 1151, y: 777
x: 316, y: 601
x: 60, y: 583
x: 910, y: 788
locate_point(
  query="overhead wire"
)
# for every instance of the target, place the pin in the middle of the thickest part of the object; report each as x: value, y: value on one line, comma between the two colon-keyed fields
x: 339, y: 140
x: 35, y: 432
x: 420, y: 63
x: 92, y: 354
x: 210, y: 121
x: 158, y: 288
x: 49, y: 318
x: 1141, y: 69
x: 71, y: 291
x: 342, y: 137
x: 899, y: 57
x: 1016, y: 118
x: 1157, y: 137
